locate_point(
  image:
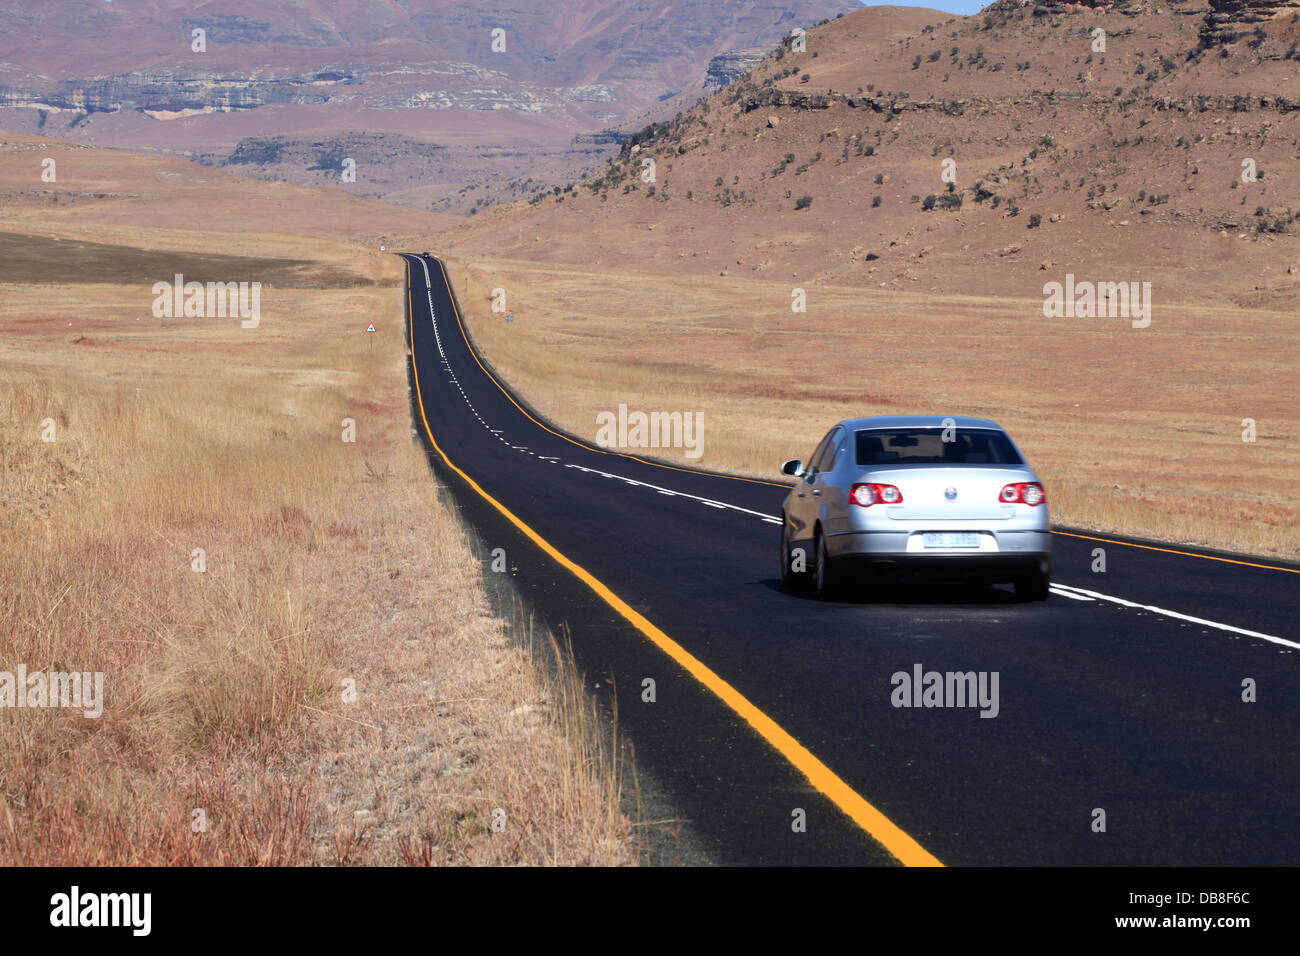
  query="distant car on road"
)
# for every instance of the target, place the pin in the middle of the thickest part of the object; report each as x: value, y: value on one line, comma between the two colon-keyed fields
x: 914, y: 492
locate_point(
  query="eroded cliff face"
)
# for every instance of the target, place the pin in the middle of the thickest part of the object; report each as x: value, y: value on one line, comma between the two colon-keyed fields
x: 1223, y: 20
x: 1229, y: 19
x: 1252, y: 11
x: 165, y: 92
x: 1042, y: 7
x: 726, y: 68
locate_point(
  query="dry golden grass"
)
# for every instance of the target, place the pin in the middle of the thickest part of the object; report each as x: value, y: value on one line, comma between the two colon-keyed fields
x: 326, y: 562
x: 1134, y: 430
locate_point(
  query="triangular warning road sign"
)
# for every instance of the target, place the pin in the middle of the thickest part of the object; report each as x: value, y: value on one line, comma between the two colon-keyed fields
x: 371, y: 327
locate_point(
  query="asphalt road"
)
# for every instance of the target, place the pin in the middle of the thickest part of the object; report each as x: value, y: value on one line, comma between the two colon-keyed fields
x: 1122, y: 693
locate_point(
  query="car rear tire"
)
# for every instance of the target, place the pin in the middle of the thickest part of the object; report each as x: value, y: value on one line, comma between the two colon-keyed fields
x: 828, y: 577
x: 790, y: 578
x: 1034, y: 585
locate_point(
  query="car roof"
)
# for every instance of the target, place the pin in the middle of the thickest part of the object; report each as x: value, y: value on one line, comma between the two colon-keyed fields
x: 919, y: 421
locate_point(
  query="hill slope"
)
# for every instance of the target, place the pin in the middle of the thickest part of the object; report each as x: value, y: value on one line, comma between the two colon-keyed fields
x: 829, y: 165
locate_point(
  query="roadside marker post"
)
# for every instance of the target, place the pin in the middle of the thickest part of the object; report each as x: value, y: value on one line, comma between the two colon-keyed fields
x: 371, y: 328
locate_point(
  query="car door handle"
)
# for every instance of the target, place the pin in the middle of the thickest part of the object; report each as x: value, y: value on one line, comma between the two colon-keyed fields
x: 817, y: 493
x: 802, y: 495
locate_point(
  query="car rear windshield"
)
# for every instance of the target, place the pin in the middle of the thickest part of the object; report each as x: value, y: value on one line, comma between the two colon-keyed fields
x: 926, y: 446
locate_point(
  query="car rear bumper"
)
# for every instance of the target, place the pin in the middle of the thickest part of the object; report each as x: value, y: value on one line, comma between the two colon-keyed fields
x: 1012, y: 551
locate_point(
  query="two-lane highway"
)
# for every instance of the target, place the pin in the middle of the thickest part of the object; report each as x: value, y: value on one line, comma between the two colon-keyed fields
x: 1119, y: 700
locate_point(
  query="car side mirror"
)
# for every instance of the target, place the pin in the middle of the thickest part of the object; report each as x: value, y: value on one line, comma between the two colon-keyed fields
x: 793, y: 468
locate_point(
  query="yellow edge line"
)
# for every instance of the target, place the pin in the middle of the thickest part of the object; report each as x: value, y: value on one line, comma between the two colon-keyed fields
x: 604, y: 451
x: 875, y: 823
x: 1189, y: 554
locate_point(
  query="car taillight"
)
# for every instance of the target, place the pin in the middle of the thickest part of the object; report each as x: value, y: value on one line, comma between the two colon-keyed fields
x: 1022, y: 493
x: 867, y: 493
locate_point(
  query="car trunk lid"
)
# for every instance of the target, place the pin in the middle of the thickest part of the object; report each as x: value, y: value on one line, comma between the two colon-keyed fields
x: 938, y: 493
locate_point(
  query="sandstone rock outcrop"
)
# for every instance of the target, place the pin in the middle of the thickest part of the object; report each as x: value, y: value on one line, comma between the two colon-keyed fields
x: 726, y: 68
x: 1229, y: 19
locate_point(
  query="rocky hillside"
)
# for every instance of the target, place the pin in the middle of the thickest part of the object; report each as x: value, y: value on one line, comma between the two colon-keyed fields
x: 991, y: 153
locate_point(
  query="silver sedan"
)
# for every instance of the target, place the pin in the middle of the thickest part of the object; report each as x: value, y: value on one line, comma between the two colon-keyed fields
x: 916, y: 492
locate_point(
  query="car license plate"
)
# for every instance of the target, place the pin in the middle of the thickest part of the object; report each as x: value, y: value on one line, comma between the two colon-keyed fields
x: 951, y: 539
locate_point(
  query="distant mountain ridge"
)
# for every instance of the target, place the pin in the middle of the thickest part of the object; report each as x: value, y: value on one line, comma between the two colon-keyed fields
x: 130, y: 74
